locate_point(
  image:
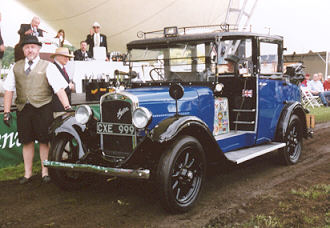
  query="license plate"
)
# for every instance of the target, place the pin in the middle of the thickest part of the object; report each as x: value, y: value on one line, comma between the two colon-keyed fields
x: 115, y: 129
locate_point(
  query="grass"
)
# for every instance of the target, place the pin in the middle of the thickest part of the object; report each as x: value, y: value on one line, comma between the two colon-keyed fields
x: 322, y: 114
x: 263, y: 221
x: 315, y: 192
x: 15, y: 172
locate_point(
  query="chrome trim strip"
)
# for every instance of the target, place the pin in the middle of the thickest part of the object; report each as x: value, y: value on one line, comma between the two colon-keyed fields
x: 116, y: 172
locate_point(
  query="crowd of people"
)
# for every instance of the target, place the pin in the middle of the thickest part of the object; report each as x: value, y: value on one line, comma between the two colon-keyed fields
x: 43, y: 89
x: 318, y: 87
x: 93, y: 39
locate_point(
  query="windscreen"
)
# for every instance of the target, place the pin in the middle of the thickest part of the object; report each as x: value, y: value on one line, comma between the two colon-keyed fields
x: 180, y: 61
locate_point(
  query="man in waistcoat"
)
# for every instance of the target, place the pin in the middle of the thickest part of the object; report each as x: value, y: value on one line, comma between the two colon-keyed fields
x: 34, y: 81
x: 61, y: 58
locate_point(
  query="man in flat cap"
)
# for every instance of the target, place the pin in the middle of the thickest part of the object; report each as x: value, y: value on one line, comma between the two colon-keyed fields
x: 34, y: 81
x: 96, y: 39
x: 61, y: 58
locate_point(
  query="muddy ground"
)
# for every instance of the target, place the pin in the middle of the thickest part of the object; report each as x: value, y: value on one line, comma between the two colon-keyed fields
x: 257, y: 191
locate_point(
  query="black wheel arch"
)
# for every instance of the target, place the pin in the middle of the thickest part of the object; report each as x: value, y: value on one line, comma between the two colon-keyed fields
x: 170, y: 128
x: 68, y: 125
x: 294, y: 108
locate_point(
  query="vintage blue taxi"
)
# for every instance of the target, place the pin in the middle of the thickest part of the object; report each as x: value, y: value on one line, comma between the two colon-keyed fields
x: 188, y: 100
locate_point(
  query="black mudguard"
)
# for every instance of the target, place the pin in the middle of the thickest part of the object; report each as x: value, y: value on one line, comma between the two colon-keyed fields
x: 168, y: 129
x: 288, y: 110
x: 68, y: 124
x: 171, y: 127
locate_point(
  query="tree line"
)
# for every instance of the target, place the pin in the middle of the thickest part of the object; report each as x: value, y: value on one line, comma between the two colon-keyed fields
x: 8, y: 57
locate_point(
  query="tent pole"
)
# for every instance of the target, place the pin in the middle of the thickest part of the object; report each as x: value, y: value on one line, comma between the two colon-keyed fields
x: 326, y: 64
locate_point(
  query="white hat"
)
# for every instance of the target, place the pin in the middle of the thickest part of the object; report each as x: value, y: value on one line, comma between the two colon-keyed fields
x: 96, y: 24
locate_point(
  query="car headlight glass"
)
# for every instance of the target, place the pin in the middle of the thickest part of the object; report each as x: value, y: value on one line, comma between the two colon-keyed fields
x: 83, y: 114
x: 141, y: 117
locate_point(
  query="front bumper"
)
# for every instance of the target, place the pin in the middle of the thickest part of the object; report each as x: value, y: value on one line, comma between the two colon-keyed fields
x: 116, y: 172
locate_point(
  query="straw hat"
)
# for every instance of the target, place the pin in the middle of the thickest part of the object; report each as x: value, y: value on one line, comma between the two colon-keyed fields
x: 62, y: 51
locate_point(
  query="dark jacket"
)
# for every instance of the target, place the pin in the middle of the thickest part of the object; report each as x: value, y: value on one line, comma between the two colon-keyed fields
x: 24, y: 28
x: 56, y: 103
x: 78, y: 55
x: 90, y: 42
x: 18, y: 49
x: 1, y: 43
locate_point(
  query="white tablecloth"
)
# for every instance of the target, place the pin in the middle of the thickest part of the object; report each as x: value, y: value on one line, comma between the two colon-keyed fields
x: 79, y: 70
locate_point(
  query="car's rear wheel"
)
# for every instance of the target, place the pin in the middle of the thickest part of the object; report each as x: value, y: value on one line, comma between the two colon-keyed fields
x: 293, y: 138
x: 181, y: 174
x: 64, y: 148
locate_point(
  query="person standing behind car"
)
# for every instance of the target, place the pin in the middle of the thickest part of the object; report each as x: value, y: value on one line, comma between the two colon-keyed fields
x: 82, y: 54
x: 96, y: 39
x: 27, y: 30
x: 61, y: 37
x: 33, y: 79
x: 61, y: 58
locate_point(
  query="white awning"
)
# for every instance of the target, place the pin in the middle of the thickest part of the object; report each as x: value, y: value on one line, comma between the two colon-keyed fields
x: 121, y: 20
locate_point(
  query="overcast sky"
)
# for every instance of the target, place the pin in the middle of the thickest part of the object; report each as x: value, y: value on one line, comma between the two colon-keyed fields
x: 305, y: 24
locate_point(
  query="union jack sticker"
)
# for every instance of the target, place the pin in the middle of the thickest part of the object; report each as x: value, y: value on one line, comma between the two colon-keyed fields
x: 247, y: 92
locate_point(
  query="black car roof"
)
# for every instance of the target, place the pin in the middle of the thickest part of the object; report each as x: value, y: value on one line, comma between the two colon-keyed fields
x: 198, y: 37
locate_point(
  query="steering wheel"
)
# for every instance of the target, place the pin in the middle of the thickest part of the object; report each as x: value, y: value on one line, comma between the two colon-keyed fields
x: 158, y: 71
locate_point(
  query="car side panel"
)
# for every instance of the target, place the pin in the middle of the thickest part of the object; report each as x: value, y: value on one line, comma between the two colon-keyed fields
x: 271, y: 102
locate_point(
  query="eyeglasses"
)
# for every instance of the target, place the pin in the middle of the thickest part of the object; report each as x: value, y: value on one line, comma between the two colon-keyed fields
x: 96, y: 27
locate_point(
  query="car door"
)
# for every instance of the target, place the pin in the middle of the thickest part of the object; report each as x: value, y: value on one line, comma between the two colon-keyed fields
x: 271, y: 88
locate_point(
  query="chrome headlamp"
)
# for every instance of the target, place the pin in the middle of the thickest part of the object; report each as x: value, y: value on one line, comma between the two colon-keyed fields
x: 83, y: 114
x: 141, y: 117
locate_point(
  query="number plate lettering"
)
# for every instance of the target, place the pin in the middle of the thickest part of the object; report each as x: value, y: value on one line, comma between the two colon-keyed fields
x: 115, y: 129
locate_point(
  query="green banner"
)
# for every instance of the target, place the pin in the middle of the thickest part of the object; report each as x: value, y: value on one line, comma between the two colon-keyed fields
x: 11, y: 149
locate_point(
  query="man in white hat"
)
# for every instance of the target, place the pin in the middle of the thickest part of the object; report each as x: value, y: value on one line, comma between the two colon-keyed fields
x: 34, y: 81
x: 61, y: 58
x: 96, y: 39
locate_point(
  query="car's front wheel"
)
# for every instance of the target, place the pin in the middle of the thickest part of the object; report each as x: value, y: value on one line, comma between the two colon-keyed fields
x: 293, y: 138
x: 181, y: 174
x: 64, y: 148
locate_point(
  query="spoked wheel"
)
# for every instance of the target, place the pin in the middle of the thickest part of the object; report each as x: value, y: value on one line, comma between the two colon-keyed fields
x: 291, y: 153
x: 65, y: 149
x: 181, y: 174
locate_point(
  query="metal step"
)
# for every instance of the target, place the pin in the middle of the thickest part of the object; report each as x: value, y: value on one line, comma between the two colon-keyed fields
x: 245, y: 154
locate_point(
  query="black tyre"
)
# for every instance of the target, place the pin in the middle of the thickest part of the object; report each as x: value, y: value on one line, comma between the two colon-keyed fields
x: 64, y: 148
x: 181, y: 174
x: 291, y: 153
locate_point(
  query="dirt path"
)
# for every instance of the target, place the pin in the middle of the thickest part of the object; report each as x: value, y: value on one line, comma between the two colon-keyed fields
x: 122, y: 203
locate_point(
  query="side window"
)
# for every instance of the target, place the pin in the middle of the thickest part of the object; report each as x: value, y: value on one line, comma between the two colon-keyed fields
x: 268, y: 58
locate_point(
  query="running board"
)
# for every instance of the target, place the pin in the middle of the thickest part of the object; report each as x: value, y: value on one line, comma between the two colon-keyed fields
x: 245, y: 154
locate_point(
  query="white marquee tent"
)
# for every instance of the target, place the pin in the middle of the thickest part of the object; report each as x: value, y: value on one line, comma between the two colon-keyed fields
x: 121, y: 20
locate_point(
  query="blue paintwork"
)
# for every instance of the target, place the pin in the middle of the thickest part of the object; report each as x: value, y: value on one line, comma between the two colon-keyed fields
x: 237, y: 142
x: 197, y: 101
x: 273, y: 94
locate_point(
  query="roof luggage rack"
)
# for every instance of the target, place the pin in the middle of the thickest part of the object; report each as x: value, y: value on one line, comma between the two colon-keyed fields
x: 189, y: 30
